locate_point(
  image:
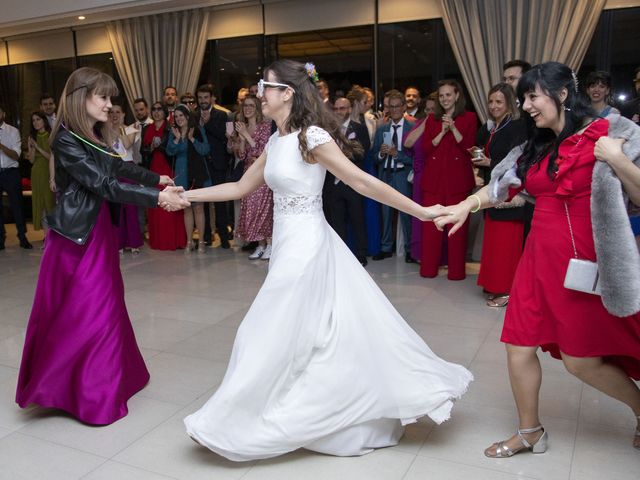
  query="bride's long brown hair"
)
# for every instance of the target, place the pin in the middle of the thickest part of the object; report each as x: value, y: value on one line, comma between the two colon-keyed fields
x: 308, y: 108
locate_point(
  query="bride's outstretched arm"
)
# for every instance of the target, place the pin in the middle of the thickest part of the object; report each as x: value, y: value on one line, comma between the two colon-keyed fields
x: 250, y: 181
x: 331, y: 157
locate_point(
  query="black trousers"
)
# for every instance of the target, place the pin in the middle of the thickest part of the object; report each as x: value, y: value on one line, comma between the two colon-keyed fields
x: 221, y: 208
x: 10, y: 183
x: 343, y: 207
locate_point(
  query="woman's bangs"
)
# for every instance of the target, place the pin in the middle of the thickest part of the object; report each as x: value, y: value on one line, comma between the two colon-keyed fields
x: 105, y: 85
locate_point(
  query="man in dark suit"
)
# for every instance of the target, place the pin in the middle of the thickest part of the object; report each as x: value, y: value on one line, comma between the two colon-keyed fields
x: 342, y: 204
x: 394, y: 165
x: 214, y: 123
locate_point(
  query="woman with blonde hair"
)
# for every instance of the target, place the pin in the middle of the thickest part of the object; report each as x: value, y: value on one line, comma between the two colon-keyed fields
x: 80, y: 354
x: 256, y: 209
x: 322, y: 360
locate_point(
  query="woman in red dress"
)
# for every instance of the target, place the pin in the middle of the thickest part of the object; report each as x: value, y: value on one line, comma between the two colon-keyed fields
x: 503, y: 225
x: 447, y: 177
x: 567, y: 139
x: 166, y: 229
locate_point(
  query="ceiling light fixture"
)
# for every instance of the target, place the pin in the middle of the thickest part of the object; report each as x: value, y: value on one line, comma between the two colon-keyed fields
x: 82, y: 17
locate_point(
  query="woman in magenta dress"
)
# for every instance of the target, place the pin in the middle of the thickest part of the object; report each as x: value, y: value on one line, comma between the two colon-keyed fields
x: 447, y: 177
x: 256, y: 209
x: 166, y: 229
x: 80, y: 353
x: 556, y: 167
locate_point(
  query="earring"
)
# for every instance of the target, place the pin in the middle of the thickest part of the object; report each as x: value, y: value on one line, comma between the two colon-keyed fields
x: 566, y: 109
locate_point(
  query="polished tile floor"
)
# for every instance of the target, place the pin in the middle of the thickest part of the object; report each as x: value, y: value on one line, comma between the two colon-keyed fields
x: 185, y: 312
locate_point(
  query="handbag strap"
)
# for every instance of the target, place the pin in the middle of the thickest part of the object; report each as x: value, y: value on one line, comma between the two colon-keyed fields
x: 573, y: 241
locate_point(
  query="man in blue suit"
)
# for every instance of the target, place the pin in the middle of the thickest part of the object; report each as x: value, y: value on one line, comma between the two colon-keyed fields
x: 394, y: 164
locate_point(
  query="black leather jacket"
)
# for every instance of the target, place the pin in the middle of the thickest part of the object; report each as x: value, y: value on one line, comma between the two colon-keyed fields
x: 84, y: 178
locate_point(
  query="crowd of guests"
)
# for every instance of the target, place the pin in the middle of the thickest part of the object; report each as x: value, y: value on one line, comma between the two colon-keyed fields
x: 431, y: 149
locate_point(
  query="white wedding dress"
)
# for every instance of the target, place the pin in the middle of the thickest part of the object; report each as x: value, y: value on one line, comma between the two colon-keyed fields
x: 322, y: 360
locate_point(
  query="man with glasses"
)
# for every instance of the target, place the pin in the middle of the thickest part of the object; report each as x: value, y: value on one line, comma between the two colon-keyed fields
x: 512, y: 72
x: 190, y: 101
x: 394, y: 165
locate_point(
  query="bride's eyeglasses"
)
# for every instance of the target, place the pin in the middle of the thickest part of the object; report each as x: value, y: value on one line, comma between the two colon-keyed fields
x: 262, y: 85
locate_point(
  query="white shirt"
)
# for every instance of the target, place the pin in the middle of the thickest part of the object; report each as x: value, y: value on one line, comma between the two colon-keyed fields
x: 135, y: 147
x: 10, y: 138
x: 391, y: 161
x: 52, y: 119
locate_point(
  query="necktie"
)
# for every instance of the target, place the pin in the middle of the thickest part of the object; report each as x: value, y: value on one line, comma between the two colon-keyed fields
x: 394, y: 141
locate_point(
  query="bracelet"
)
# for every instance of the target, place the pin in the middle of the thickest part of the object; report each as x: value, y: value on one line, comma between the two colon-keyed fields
x: 474, y: 210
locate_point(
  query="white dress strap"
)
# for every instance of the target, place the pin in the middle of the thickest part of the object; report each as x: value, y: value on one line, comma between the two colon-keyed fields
x: 317, y: 136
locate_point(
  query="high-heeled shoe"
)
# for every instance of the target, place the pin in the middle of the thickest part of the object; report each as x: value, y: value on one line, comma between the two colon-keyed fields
x: 503, y: 450
x: 202, y: 248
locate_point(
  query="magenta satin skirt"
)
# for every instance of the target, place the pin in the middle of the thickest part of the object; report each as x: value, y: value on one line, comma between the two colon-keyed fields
x: 80, y: 353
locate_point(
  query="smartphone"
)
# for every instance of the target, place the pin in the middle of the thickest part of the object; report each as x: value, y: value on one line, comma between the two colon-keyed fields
x: 386, y: 138
x: 230, y: 128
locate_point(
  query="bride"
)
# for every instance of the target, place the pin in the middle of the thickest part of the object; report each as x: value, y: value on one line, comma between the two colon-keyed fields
x: 322, y: 360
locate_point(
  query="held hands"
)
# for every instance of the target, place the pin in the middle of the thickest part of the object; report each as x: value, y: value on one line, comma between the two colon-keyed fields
x: 171, y: 200
x: 166, y: 180
x: 433, y: 212
x: 455, y: 215
x: 609, y: 150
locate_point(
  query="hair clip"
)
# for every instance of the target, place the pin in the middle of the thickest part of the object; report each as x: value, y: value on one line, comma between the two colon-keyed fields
x: 575, y: 80
x: 311, y: 71
x: 77, y: 88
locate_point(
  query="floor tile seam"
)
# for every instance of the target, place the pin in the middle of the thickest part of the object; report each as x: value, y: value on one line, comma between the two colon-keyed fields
x: 46, y: 440
x: 93, y: 470
x: 479, y: 347
x: 518, y: 475
x: 575, y: 435
x: 551, y: 417
x: 198, y: 357
x: 408, y: 469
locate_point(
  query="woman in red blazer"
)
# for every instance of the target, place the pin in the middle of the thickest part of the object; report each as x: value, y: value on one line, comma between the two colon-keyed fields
x: 448, y: 175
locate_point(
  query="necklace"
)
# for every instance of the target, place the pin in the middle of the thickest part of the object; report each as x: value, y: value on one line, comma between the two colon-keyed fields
x: 91, y: 144
x: 504, y: 123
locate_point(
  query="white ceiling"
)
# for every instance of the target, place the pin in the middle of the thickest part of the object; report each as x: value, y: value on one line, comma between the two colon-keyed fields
x: 28, y: 16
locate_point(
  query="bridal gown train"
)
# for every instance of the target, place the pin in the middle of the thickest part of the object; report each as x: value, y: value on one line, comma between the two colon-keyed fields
x: 322, y: 360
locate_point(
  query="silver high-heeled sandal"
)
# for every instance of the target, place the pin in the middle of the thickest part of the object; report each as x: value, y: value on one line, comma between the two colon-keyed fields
x: 540, y: 446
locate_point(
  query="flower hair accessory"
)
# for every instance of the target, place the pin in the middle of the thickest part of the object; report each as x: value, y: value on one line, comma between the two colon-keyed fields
x: 311, y: 71
x: 575, y: 80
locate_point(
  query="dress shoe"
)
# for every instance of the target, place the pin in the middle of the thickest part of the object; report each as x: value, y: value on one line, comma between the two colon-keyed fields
x: 24, y: 243
x: 409, y: 259
x: 382, y: 256
x: 224, y: 243
x: 249, y: 246
x: 363, y: 261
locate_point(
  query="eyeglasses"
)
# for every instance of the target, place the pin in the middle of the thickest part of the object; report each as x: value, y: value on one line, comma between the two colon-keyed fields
x: 395, y: 106
x: 262, y: 85
x: 156, y: 109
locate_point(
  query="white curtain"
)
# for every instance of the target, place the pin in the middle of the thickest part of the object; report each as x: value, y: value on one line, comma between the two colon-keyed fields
x: 484, y: 34
x: 159, y: 50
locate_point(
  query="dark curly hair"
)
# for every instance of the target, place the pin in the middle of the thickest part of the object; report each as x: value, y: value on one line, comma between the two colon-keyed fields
x: 308, y: 108
x: 552, y: 78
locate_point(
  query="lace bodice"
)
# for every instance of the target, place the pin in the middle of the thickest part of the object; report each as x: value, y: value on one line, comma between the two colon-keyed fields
x: 296, y: 184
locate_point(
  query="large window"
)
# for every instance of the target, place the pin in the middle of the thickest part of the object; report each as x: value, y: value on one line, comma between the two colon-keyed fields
x: 231, y: 64
x: 415, y: 53
x: 342, y: 57
x: 614, y: 48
